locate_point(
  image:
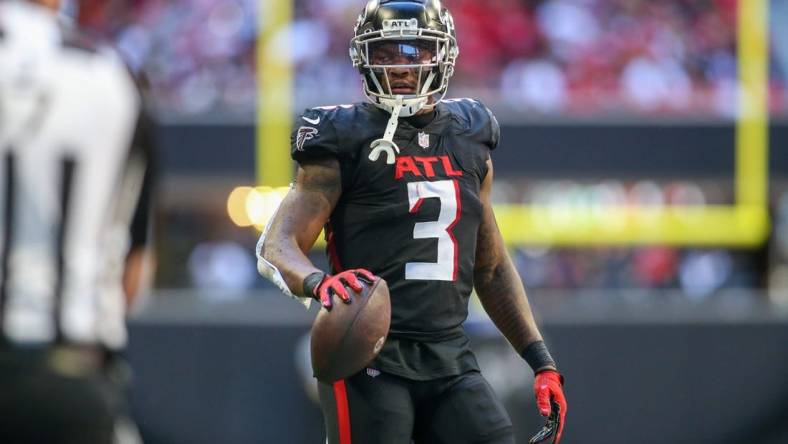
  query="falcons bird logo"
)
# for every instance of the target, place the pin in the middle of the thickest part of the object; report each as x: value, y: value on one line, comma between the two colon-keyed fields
x: 304, y: 133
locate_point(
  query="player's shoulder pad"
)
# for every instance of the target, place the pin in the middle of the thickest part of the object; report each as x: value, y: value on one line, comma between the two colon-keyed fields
x: 476, y: 120
x: 322, y: 131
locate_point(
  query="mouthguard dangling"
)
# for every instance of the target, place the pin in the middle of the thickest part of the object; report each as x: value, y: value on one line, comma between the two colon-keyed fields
x: 386, y: 144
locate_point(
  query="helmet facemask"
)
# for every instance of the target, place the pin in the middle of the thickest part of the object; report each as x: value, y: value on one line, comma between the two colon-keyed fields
x: 416, y: 61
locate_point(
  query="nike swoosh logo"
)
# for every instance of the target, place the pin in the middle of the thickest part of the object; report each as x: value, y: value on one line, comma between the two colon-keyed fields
x: 312, y: 121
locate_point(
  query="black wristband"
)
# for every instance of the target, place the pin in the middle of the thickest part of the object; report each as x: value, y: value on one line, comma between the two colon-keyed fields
x: 537, y: 356
x: 311, y: 282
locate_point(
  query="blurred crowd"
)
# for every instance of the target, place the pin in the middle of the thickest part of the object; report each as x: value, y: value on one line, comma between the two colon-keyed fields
x: 223, y: 268
x: 543, y: 56
x: 223, y: 263
x: 197, y: 55
x: 602, y: 55
x: 552, y: 57
x: 698, y: 273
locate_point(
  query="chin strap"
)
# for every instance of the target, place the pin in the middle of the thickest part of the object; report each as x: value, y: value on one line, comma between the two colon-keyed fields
x: 386, y: 144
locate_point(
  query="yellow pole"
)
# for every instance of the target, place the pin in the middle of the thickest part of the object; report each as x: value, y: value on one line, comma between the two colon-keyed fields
x: 274, y: 93
x: 752, y: 124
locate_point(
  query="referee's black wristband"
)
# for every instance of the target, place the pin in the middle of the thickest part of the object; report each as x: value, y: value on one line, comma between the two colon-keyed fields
x: 311, y: 282
x: 537, y: 356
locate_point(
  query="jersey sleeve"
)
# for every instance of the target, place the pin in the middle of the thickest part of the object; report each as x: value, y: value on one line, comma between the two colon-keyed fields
x: 314, y: 137
x: 479, y: 123
x: 484, y: 125
x: 494, y: 129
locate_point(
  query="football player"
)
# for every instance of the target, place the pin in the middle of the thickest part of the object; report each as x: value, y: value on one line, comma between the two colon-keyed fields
x: 402, y: 186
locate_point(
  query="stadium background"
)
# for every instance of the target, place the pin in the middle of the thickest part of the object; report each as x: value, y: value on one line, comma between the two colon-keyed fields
x: 641, y: 184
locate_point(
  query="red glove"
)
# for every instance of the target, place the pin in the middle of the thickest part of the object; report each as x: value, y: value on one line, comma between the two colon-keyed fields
x: 548, y: 384
x: 336, y: 285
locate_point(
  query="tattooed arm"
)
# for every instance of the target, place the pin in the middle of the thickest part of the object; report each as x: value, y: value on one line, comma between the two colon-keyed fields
x: 496, y: 280
x: 298, y: 222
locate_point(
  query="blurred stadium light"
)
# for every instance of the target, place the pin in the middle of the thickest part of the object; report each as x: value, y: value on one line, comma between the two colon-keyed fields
x: 249, y: 206
x: 237, y: 204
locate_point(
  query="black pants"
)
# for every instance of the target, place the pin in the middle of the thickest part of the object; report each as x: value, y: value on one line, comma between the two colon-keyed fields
x: 43, y: 401
x: 386, y: 409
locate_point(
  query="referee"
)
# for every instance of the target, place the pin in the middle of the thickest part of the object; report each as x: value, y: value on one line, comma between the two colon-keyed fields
x: 74, y: 204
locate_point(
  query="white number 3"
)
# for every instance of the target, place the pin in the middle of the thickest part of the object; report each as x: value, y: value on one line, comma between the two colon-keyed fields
x: 448, y: 191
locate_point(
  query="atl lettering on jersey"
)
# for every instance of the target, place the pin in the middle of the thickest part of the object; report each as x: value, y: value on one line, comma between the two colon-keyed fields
x: 416, y: 166
x: 414, y: 222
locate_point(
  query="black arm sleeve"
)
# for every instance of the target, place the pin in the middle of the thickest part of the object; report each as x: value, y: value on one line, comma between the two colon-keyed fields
x: 142, y: 153
x: 495, y: 130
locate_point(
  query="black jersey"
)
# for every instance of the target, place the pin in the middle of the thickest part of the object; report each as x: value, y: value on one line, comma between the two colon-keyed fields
x: 413, y: 222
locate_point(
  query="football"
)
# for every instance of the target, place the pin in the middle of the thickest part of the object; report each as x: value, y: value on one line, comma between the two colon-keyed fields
x: 346, y: 338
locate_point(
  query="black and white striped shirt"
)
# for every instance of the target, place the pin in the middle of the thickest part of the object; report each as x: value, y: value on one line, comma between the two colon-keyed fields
x: 74, y: 152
